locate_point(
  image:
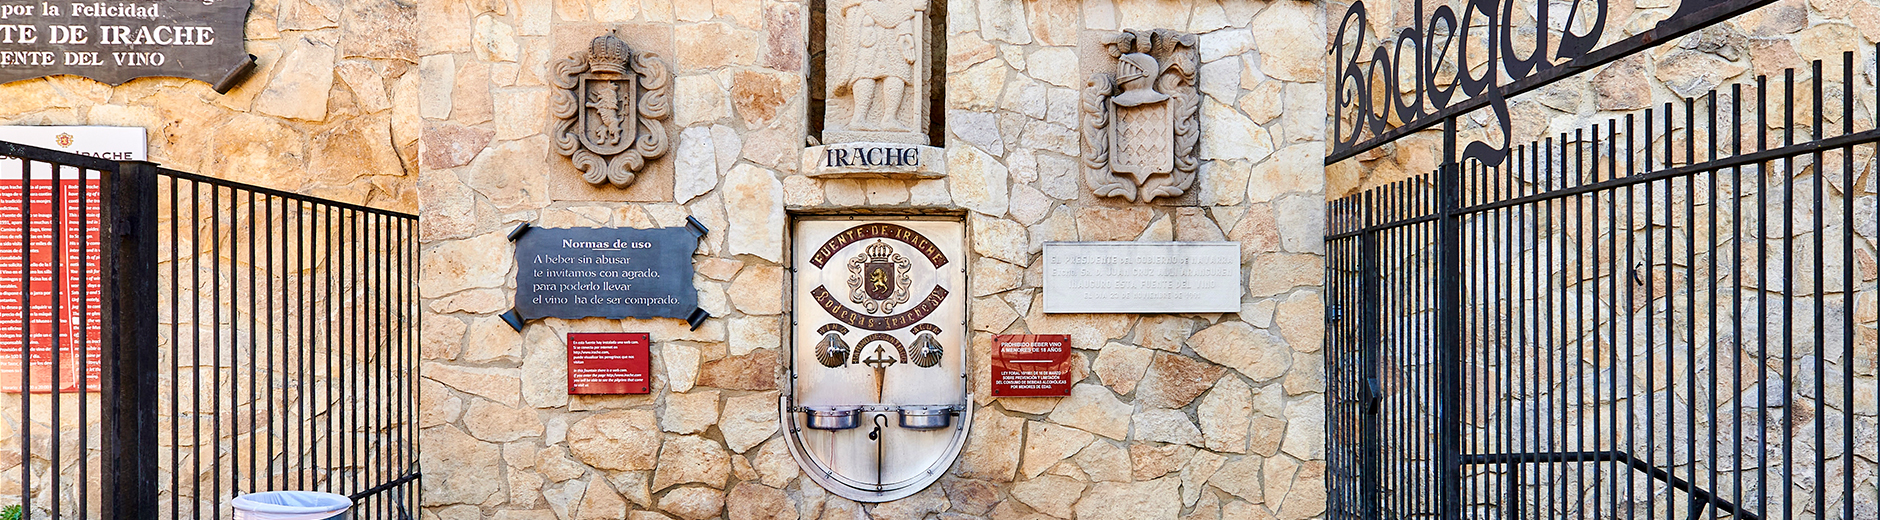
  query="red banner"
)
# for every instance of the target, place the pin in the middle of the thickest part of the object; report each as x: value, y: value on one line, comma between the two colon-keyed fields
x: 609, y: 363
x: 64, y: 288
x: 1031, y: 365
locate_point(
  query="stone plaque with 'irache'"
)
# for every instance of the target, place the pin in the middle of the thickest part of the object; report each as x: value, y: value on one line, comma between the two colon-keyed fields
x: 114, y: 42
x: 1142, y: 277
x: 875, y: 160
x: 612, y: 273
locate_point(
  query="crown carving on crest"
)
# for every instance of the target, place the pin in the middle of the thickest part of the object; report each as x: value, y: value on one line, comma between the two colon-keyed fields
x: 608, y: 54
x: 880, y: 252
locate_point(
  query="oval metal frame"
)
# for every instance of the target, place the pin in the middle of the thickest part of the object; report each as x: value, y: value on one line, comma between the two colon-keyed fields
x: 861, y: 491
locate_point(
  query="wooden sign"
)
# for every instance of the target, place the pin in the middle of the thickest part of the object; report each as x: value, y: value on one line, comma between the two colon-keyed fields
x: 114, y: 42
x: 601, y: 363
x: 1031, y: 365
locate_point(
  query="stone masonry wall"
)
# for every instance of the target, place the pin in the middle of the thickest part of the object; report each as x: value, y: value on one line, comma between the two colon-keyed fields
x: 1173, y: 416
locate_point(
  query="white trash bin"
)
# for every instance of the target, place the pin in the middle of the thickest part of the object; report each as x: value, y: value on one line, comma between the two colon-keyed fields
x: 290, y: 505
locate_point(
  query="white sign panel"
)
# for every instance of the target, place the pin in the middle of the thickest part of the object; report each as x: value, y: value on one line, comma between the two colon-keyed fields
x: 1142, y: 277
x: 112, y: 143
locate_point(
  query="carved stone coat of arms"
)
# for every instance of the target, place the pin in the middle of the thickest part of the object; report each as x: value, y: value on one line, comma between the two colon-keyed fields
x: 1141, y: 124
x: 609, y: 105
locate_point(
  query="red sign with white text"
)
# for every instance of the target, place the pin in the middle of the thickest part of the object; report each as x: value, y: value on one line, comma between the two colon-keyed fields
x: 63, y: 324
x: 1031, y: 365
x: 602, y: 363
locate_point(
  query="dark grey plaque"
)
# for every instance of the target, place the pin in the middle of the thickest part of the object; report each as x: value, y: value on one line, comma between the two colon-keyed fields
x: 117, y: 41
x: 605, y: 273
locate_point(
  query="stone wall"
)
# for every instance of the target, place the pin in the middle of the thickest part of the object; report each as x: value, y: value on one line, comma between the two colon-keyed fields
x: 1192, y: 416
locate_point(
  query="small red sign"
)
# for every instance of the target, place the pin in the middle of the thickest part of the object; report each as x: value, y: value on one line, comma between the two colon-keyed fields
x: 609, y: 363
x: 65, y: 330
x: 1031, y: 365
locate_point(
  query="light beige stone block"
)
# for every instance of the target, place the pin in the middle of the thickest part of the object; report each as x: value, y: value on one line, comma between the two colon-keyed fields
x: 754, y: 208
x: 1046, y: 444
x: 623, y: 440
x: 691, y: 459
x: 1160, y: 498
x: 1094, y: 409
x: 301, y: 82
x: 749, y: 420
x: 689, y: 413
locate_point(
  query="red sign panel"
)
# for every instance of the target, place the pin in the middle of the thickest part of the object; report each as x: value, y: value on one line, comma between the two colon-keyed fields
x: 1031, y: 365
x: 609, y: 363
x: 63, y: 325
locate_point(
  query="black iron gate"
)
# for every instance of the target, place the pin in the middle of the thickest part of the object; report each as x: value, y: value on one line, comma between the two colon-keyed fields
x: 188, y: 339
x: 1671, y: 314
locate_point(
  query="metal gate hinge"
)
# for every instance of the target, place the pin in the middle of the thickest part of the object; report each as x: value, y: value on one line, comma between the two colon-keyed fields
x: 1373, y: 393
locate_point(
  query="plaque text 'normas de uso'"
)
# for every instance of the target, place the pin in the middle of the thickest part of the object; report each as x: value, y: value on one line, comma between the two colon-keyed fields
x: 116, y: 41
x: 613, y: 273
x: 1142, y: 277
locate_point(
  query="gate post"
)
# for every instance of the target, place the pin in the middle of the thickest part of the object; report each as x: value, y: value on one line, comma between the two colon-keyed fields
x: 128, y: 362
x: 1449, y: 329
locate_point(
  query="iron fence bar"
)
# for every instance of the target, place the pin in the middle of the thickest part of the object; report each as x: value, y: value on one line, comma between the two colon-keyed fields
x: 1367, y: 343
x: 57, y: 211
x: 408, y: 258
x: 1820, y: 375
x: 1631, y: 305
x: 354, y: 449
x: 1613, y: 285
x: 1736, y: 284
x: 195, y: 345
x: 128, y: 361
x: 176, y: 339
x: 85, y: 223
x: 1671, y: 214
x: 215, y: 330
x: 327, y: 467
x: 383, y: 413
x: 1711, y: 281
x: 1692, y: 335
x: 254, y: 359
x: 26, y: 332
x: 1848, y: 299
x: 1788, y: 304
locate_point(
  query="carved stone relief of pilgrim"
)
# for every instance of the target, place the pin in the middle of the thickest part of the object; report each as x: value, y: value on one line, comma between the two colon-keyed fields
x: 1141, y: 123
x: 609, y: 105
x: 878, y: 64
